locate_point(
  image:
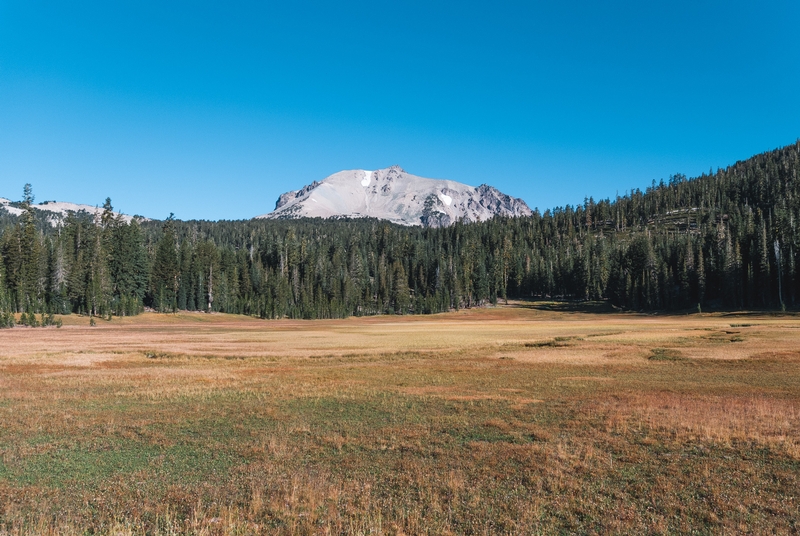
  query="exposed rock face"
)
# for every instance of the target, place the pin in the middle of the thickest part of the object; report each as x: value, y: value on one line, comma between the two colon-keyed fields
x: 290, y: 196
x: 394, y: 195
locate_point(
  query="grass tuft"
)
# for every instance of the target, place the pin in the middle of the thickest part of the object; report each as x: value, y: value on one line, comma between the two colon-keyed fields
x: 665, y: 354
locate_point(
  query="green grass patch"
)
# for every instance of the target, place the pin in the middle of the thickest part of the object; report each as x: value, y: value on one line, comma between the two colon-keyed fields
x: 666, y: 354
x: 488, y: 434
x: 89, y: 466
x: 155, y: 354
x: 553, y: 343
x: 84, y: 465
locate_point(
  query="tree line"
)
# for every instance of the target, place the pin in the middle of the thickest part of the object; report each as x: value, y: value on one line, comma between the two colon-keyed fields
x: 726, y: 239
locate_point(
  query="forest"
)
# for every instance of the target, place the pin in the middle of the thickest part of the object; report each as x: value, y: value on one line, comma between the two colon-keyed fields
x: 725, y: 240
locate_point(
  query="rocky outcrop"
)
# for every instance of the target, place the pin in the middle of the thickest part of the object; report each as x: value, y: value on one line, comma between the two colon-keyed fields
x: 284, y: 199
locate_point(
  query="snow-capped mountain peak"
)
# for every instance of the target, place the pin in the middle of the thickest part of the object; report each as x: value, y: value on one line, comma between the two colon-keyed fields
x: 395, y: 195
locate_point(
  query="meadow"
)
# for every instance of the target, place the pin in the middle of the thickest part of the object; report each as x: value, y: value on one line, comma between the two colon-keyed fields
x: 529, y: 418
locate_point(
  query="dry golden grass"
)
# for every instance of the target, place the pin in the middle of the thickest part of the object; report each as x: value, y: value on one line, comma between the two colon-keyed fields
x: 516, y: 419
x: 720, y: 419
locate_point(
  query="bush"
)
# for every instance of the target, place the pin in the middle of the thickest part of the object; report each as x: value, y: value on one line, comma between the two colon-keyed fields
x: 50, y: 320
x: 28, y: 319
x: 6, y: 320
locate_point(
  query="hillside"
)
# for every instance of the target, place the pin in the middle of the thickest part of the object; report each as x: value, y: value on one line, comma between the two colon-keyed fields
x: 727, y: 239
x: 55, y: 212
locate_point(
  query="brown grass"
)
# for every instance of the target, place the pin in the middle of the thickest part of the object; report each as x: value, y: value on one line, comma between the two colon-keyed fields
x: 719, y: 419
x: 503, y: 420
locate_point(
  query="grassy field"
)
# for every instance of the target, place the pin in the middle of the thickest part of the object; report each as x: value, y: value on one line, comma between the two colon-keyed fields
x: 522, y: 419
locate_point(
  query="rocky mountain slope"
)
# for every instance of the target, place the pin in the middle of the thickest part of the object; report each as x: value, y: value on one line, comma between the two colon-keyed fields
x: 56, y: 211
x: 394, y: 195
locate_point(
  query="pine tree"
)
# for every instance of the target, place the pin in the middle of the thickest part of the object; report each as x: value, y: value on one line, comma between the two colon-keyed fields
x: 30, y: 284
x: 701, y: 277
x: 401, y: 298
x: 703, y: 241
x: 764, y: 275
x: 164, y: 279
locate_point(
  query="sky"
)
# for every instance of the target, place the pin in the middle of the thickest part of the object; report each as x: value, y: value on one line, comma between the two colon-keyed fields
x: 210, y: 110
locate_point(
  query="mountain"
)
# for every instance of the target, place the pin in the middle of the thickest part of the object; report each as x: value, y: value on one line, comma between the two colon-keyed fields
x: 727, y: 239
x: 395, y: 195
x: 56, y: 211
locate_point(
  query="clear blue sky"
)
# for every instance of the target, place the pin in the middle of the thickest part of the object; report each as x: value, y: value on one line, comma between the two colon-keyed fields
x: 210, y: 110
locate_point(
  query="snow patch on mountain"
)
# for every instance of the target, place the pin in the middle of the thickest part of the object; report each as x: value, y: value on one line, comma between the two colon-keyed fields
x: 367, y: 178
x: 395, y: 195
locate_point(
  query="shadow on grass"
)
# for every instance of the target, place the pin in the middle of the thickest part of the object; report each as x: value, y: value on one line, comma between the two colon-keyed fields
x: 568, y: 306
x: 604, y: 306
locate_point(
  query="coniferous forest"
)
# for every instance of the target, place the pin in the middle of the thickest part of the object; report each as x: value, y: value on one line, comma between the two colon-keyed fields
x: 727, y: 239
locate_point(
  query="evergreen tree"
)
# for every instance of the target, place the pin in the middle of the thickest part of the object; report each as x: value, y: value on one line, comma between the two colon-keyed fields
x: 708, y: 242
x: 164, y: 279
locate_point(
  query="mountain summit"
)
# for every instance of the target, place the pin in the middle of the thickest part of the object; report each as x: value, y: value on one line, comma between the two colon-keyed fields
x: 394, y: 195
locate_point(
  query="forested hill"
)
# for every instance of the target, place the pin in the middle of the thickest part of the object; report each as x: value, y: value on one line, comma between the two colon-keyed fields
x: 723, y: 240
